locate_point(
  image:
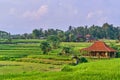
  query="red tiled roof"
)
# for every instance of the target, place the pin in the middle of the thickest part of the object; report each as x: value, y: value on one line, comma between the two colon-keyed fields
x: 99, y: 46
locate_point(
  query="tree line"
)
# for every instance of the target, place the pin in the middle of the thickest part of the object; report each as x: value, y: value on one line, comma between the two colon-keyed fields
x: 4, y: 35
x: 74, y: 34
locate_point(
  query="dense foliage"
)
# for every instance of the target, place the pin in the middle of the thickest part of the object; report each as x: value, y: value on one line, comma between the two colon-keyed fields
x: 83, y: 60
x: 66, y: 51
x: 54, y: 41
x: 4, y: 35
x: 45, y: 47
x: 117, y: 48
x: 75, y: 34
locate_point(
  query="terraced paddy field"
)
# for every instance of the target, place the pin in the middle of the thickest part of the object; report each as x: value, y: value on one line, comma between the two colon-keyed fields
x: 21, y: 61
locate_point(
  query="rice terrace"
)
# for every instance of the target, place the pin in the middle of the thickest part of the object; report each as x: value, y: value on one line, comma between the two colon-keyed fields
x: 59, y: 40
x: 21, y: 61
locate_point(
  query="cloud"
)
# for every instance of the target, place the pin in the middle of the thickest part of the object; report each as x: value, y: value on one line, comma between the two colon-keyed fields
x: 36, y: 14
x: 93, y: 14
x: 97, y: 17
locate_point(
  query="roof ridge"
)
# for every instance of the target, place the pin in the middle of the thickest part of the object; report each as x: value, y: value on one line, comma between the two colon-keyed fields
x: 106, y: 46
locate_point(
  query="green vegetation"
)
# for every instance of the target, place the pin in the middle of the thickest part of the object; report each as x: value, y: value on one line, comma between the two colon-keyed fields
x: 45, y: 47
x: 83, y: 60
x: 25, y: 60
x: 73, y: 34
x: 54, y: 40
x: 98, y: 70
x: 4, y: 35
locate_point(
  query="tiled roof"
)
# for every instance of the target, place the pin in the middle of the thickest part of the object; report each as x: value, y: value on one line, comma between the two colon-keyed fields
x: 99, y: 46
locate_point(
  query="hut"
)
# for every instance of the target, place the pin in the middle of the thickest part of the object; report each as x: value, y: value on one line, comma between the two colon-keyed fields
x: 99, y: 50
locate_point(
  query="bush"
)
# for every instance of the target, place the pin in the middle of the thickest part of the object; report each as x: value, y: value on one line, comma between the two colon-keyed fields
x: 83, y: 60
x: 117, y: 55
x: 66, y: 51
x: 116, y: 47
x: 45, y: 47
x: 54, y: 41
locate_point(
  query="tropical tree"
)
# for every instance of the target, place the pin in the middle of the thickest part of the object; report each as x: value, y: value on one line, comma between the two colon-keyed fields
x: 37, y: 33
x: 54, y: 41
x: 25, y: 35
x: 45, y: 47
x: 61, y: 35
x: 66, y: 50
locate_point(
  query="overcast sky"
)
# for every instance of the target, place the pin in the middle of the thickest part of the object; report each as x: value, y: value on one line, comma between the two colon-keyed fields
x: 20, y: 16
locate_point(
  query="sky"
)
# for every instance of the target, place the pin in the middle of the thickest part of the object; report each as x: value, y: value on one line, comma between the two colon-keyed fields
x: 22, y: 16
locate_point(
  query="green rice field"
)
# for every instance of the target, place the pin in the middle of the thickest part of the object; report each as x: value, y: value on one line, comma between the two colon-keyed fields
x: 24, y: 60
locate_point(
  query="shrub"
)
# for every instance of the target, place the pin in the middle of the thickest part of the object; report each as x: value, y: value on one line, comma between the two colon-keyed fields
x: 54, y: 41
x: 116, y: 47
x: 45, y: 47
x: 66, y: 51
x: 83, y: 60
x: 117, y: 55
